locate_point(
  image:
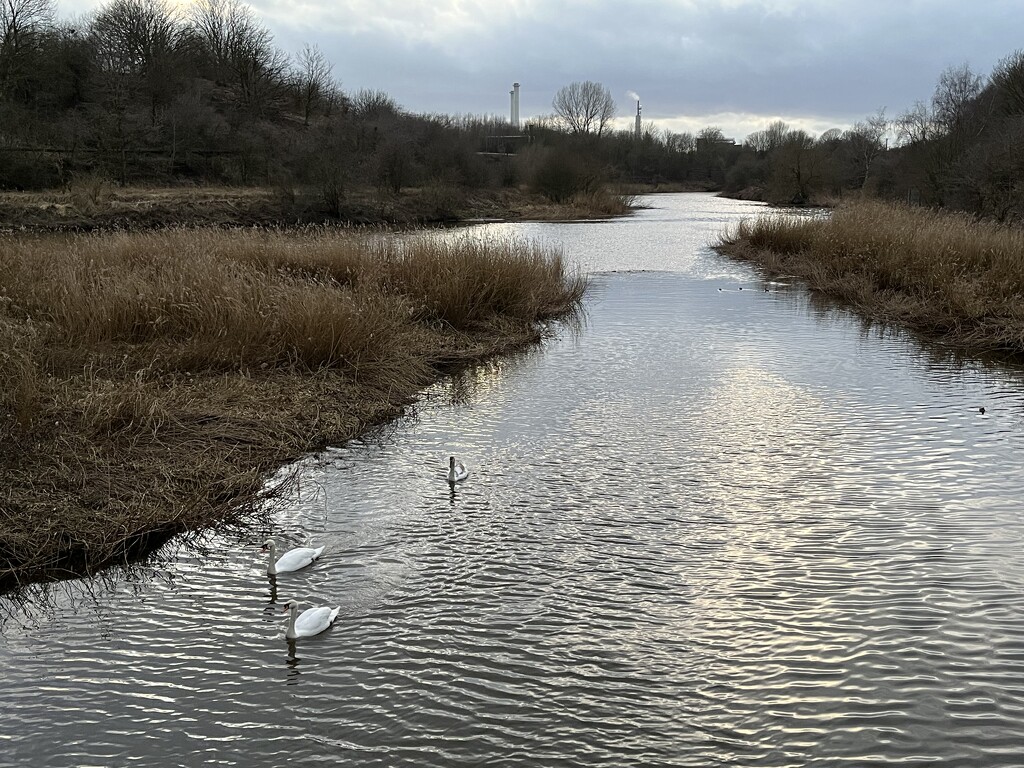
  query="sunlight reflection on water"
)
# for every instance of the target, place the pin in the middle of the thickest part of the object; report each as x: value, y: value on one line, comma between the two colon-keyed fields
x: 712, y: 527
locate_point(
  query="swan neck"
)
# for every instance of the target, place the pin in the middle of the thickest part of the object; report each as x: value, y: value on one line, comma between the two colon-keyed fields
x: 291, y: 621
x: 271, y: 562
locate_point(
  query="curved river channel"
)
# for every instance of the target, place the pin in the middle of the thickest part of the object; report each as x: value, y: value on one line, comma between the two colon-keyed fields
x: 706, y: 527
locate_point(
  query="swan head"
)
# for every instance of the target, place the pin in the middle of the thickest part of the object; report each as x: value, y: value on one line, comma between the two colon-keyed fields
x: 291, y: 605
x: 451, y: 462
x: 268, y: 544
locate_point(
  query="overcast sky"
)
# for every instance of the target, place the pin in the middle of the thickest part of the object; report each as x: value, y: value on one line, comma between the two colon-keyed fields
x: 735, y: 64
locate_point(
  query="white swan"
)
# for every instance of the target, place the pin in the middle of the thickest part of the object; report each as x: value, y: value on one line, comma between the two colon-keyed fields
x: 457, y: 471
x: 311, y: 621
x: 292, y: 560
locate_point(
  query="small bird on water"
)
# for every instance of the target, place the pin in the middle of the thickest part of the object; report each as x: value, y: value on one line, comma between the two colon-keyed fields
x: 982, y: 410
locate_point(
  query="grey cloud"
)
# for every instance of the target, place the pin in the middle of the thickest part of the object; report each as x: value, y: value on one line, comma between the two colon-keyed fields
x: 825, y: 59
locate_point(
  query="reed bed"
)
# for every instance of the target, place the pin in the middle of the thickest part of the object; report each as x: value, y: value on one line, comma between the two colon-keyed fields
x: 944, y: 275
x: 149, y: 382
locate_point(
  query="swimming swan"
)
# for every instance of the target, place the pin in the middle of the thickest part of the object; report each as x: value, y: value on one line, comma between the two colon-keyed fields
x: 311, y: 621
x: 292, y: 560
x: 457, y: 471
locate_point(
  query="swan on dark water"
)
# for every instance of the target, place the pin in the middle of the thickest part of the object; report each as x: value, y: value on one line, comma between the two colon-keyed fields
x: 311, y: 621
x: 457, y: 471
x: 292, y: 560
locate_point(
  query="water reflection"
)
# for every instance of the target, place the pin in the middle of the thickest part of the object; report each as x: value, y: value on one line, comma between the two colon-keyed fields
x: 292, y: 663
x: 713, y: 528
x: 272, y: 596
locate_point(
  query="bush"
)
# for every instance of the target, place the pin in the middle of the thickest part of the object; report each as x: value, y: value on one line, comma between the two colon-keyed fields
x: 560, y: 176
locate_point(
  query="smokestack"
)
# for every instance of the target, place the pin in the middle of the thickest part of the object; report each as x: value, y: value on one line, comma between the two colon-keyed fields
x: 515, y: 106
x: 638, y: 119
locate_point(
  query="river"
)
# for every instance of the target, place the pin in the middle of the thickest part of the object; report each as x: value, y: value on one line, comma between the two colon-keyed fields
x: 709, y: 525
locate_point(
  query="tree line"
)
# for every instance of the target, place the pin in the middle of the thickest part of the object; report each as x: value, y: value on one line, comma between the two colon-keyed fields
x: 142, y: 92
x: 962, y: 149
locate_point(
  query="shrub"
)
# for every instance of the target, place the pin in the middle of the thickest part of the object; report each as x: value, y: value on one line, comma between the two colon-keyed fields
x: 561, y: 175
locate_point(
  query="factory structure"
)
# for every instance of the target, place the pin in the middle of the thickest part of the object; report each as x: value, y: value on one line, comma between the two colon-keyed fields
x: 509, y: 144
x: 514, y: 113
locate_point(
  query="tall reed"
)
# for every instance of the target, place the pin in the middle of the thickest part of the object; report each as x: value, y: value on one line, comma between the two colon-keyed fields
x: 942, y: 273
x: 149, y: 381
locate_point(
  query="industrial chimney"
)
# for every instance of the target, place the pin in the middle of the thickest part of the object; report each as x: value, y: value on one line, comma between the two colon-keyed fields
x: 638, y: 119
x: 514, y: 117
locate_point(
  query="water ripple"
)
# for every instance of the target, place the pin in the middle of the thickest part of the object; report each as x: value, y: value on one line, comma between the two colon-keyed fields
x: 716, y: 528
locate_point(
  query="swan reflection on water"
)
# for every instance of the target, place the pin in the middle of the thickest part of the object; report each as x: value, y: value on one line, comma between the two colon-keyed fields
x: 292, y: 663
x: 272, y: 597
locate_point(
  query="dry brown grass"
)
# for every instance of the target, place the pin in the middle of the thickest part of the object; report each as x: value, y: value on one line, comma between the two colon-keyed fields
x: 149, y: 382
x: 520, y: 204
x: 93, y: 204
x: 942, y: 274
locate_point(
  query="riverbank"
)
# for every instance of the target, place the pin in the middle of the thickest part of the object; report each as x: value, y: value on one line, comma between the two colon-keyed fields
x: 91, y: 205
x: 150, y: 382
x: 943, y: 275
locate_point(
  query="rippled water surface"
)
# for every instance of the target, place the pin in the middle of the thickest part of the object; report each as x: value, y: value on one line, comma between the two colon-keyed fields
x: 711, y: 526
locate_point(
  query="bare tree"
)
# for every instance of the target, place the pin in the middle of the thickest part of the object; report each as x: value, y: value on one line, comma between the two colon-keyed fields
x: 957, y: 89
x: 768, y: 140
x: 214, y: 24
x: 918, y: 132
x: 757, y: 141
x: 131, y: 35
x: 374, y: 105
x: 777, y: 133
x: 137, y: 44
x: 241, y: 51
x: 1008, y: 81
x: 938, y: 134
x: 916, y: 126
x: 585, y: 107
x: 796, y: 166
x: 831, y: 137
x: 865, y: 142
x: 21, y: 22
x: 313, y: 81
x: 680, y: 142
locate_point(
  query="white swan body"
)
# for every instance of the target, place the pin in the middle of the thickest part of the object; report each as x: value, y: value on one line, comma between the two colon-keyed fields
x: 457, y: 471
x: 311, y: 621
x: 291, y: 560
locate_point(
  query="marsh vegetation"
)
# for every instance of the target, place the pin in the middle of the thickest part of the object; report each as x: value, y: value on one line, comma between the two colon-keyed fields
x: 943, y: 274
x: 150, y: 382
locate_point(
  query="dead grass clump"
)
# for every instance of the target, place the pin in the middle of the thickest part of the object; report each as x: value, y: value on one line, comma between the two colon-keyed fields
x: 20, y: 395
x: 89, y: 192
x: 151, y: 381
x: 944, y: 274
x: 778, y: 233
x: 466, y: 284
x: 602, y: 202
